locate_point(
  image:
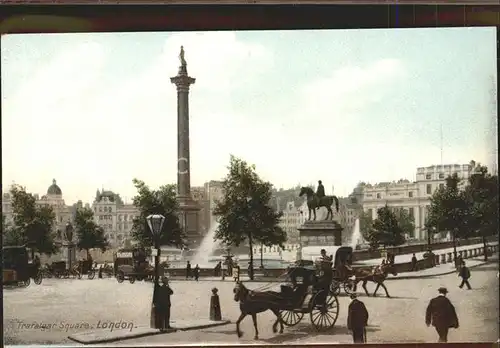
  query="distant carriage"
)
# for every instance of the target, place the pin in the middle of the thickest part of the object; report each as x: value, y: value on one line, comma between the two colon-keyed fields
x: 84, y: 267
x: 342, y: 276
x: 58, y: 269
x: 341, y: 263
x: 17, y: 270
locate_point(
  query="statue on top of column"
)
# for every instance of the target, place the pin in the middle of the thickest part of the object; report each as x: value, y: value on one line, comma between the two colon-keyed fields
x: 181, y: 57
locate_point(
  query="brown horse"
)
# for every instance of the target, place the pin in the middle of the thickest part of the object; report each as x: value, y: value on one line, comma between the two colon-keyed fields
x: 253, y: 302
x: 367, y: 275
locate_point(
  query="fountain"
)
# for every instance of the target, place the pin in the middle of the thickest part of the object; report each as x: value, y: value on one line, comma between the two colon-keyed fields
x: 207, y: 248
x: 356, y: 237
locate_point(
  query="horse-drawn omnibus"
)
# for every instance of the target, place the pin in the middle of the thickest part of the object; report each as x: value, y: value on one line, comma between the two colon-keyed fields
x: 17, y: 269
x: 132, y: 264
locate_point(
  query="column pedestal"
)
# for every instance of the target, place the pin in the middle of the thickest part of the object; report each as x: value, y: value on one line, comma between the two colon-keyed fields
x: 69, y: 254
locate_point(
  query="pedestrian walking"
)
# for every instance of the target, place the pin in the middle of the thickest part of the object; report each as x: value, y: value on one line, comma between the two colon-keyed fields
x: 441, y: 314
x: 357, y: 319
x: 414, y: 263
x: 464, y: 273
x: 188, y: 270
x: 196, y: 272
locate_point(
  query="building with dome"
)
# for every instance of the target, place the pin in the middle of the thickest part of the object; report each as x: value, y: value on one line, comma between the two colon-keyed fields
x: 54, y: 199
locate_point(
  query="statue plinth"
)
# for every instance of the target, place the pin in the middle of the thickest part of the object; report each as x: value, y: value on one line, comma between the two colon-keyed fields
x: 322, y: 228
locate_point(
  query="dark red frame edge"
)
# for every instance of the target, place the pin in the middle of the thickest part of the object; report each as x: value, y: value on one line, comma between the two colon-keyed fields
x: 112, y: 18
x: 108, y: 18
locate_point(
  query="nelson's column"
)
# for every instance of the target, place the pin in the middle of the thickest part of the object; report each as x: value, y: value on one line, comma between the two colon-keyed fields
x: 188, y: 207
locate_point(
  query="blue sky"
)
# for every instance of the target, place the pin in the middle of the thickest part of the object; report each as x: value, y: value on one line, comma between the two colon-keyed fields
x: 344, y: 106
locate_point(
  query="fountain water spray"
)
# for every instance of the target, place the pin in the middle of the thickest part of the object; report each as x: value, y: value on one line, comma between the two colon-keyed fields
x: 356, y: 237
x: 207, y: 248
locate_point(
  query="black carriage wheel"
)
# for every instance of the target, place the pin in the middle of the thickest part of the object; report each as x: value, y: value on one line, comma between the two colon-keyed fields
x: 335, y: 288
x: 91, y: 274
x: 38, y: 278
x: 291, y: 318
x: 120, y: 277
x: 349, y: 287
x: 131, y: 279
x: 324, y: 311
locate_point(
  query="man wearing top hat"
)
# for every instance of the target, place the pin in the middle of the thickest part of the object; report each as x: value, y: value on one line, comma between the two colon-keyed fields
x: 357, y: 319
x: 442, y: 315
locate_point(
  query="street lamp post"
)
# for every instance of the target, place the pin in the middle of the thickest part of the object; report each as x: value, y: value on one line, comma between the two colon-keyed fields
x: 250, y: 242
x: 155, y: 223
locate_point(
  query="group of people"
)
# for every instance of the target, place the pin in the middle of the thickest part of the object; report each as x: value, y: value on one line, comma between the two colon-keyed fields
x: 192, y: 272
x: 161, y: 305
x: 440, y: 313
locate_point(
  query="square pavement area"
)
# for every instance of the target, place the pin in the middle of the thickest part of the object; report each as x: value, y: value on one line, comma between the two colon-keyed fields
x: 106, y: 335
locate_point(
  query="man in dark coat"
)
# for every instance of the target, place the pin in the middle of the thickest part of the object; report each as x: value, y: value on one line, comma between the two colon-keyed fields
x: 196, y: 273
x: 414, y: 263
x: 442, y: 315
x: 320, y: 191
x: 188, y: 270
x: 464, y: 273
x: 162, y: 304
x: 357, y: 320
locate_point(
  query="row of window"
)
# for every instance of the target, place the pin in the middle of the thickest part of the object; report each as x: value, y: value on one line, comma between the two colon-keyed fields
x: 104, y: 209
x: 411, y: 211
x: 429, y: 176
x: 428, y: 188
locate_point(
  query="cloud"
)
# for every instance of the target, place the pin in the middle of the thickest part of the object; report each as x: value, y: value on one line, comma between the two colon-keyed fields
x: 350, y: 90
x: 80, y: 123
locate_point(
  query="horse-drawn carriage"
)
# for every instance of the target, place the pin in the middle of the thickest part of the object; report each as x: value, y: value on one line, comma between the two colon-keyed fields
x: 343, y: 275
x: 17, y: 270
x: 84, y: 267
x: 310, y: 293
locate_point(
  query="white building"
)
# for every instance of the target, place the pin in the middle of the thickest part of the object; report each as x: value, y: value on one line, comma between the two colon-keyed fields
x: 412, y: 196
x: 114, y: 217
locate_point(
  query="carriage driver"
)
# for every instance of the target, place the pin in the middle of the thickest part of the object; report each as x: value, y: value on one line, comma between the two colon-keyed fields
x: 324, y: 257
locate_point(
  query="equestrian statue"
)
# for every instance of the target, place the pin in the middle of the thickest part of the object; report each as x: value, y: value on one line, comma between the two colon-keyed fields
x: 318, y: 200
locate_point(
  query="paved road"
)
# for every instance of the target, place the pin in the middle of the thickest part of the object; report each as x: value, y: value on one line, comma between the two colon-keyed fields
x: 80, y: 303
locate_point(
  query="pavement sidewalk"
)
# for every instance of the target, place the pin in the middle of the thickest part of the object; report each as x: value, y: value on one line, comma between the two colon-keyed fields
x: 107, y: 335
x: 403, y: 258
x: 443, y: 269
